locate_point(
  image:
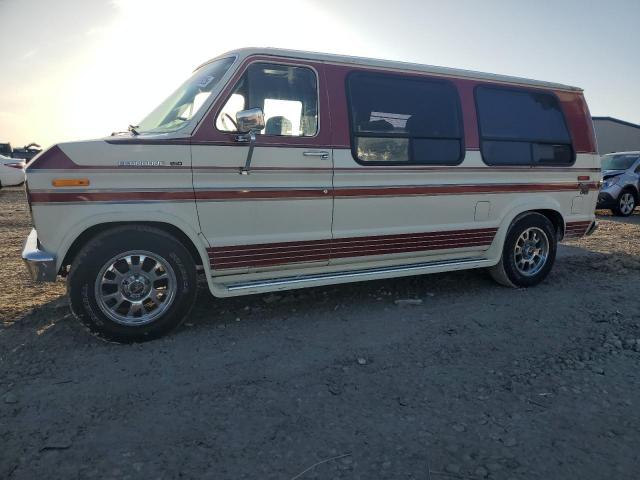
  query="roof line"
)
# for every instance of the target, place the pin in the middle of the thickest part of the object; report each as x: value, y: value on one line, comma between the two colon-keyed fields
x: 617, y: 120
x: 394, y: 64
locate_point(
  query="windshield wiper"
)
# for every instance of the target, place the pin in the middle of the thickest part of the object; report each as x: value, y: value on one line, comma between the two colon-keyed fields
x: 132, y: 129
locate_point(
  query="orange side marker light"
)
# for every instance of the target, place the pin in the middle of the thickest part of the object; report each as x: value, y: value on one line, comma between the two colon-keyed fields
x: 70, y: 182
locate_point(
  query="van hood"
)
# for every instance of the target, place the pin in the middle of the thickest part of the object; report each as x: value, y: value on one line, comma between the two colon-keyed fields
x: 109, y: 152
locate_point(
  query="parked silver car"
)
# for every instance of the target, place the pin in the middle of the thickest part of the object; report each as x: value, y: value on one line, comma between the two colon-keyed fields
x: 621, y: 183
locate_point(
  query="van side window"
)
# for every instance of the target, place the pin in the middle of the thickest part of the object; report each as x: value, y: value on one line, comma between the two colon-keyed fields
x: 288, y: 96
x: 404, y: 120
x: 521, y: 127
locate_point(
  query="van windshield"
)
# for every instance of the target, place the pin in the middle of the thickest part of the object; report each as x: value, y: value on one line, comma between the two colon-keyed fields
x: 185, y: 102
x: 618, y: 162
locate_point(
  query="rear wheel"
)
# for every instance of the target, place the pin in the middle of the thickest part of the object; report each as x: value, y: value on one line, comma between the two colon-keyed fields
x: 132, y: 284
x: 529, y: 252
x: 626, y: 204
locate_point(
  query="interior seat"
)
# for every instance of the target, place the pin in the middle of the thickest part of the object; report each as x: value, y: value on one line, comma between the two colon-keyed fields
x: 278, y: 126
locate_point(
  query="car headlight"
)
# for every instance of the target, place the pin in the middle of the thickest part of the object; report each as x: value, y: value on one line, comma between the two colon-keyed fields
x: 609, y: 182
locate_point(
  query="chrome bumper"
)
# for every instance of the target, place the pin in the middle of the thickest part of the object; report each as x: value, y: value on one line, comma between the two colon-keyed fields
x: 41, y: 264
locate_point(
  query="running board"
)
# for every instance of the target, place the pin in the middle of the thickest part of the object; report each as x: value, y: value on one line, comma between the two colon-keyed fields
x: 355, y: 275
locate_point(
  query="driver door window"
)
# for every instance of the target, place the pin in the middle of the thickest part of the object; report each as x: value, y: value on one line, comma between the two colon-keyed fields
x: 288, y: 96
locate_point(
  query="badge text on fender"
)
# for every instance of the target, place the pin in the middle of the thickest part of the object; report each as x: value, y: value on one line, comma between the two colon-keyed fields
x: 140, y: 163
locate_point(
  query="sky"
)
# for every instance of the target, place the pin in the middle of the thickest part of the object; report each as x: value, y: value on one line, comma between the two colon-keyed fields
x: 77, y: 69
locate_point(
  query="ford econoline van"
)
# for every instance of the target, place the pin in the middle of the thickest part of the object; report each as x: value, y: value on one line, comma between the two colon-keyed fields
x: 272, y: 169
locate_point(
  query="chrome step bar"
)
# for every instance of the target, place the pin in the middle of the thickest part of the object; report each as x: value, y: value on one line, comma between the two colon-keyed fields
x: 353, y: 274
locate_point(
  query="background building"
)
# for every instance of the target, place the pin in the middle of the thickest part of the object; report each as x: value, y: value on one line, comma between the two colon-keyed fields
x: 615, y: 135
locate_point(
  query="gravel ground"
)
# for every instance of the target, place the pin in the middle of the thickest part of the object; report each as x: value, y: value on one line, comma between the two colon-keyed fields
x: 467, y: 380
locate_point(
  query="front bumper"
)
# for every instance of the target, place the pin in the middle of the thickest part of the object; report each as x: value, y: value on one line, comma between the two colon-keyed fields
x: 41, y: 264
x: 605, y: 200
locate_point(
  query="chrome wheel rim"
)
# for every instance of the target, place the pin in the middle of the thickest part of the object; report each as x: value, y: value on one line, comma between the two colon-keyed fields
x: 531, y: 251
x: 627, y: 203
x: 135, y: 288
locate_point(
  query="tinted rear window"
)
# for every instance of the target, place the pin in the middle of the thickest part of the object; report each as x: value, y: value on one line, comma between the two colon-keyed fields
x: 521, y: 127
x: 398, y: 119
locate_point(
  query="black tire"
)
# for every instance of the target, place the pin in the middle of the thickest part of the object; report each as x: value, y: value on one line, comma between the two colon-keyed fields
x: 505, y: 272
x: 99, y: 251
x: 619, y: 210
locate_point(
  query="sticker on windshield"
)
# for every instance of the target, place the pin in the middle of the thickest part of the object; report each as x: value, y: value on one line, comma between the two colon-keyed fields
x: 205, y: 81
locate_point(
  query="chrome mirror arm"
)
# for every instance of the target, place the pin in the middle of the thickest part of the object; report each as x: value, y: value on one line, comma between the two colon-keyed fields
x: 249, y: 122
x: 251, y: 138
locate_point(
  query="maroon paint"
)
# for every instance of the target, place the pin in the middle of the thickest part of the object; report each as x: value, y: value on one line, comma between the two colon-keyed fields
x: 410, y: 248
x: 275, y: 246
x: 70, y: 165
x: 270, y: 262
x: 572, y: 104
x: 53, y: 158
x: 355, y: 240
x: 486, y: 169
x: 579, y: 121
x: 318, y: 250
x: 299, y: 258
x: 576, y: 229
x: 334, y: 118
x: 65, y: 197
x: 247, y: 194
x: 347, y: 251
x: 147, y: 141
x: 207, y: 133
x: 261, y: 194
x: 336, y: 246
x: 454, y: 189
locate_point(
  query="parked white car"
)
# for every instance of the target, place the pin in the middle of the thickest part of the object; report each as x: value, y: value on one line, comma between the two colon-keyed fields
x: 271, y: 169
x: 11, y: 171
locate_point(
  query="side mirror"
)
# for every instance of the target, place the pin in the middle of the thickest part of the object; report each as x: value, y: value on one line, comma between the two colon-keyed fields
x: 251, y: 120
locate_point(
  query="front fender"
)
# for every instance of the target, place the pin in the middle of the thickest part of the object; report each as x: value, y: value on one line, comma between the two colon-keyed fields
x: 79, y: 228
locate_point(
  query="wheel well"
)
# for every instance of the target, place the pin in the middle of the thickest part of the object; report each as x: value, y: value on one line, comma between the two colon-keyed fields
x: 91, y: 232
x: 556, y: 220
x: 633, y: 190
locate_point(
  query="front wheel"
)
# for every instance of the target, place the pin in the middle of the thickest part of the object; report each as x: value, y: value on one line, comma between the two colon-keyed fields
x: 528, y: 254
x: 131, y: 284
x: 626, y: 204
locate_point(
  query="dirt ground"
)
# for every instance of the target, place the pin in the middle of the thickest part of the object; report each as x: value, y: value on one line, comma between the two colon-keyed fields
x: 476, y: 381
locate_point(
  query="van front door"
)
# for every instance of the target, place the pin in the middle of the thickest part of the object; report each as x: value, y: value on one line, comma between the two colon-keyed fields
x: 279, y: 215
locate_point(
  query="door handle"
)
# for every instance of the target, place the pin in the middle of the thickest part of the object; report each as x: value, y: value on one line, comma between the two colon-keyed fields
x: 316, y: 153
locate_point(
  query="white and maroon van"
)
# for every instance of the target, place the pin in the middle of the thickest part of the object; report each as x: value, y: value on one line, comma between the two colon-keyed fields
x: 272, y: 169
